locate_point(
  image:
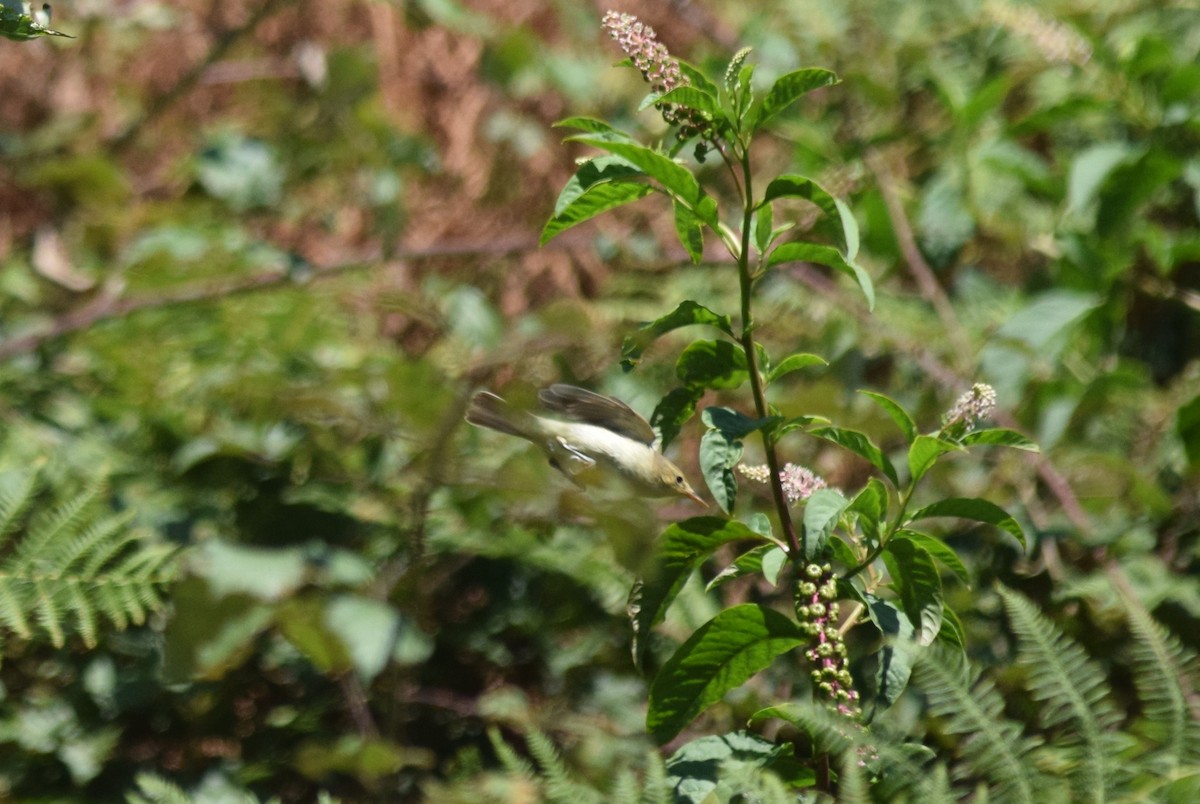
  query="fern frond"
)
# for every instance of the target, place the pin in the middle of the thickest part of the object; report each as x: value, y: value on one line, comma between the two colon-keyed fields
x: 509, y: 759
x: 44, y: 533
x: 853, y: 787
x: 625, y: 788
x: 994, y: 747
x: 72, y: 567
x: 1071, y: 687
x: 154, y: 789
x: 901, y: 765
x: 1165, y: 674
x: 559, y: 785
x: 16, y: 501
x: 655, y: 789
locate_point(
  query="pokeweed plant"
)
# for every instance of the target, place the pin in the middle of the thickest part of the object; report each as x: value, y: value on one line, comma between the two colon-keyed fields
x: 867, y: 548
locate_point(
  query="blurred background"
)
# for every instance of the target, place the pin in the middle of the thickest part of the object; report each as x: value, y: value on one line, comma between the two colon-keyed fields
x: 254, y: 258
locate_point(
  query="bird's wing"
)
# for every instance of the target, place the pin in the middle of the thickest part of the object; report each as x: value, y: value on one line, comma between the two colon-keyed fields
x: 585, y: 406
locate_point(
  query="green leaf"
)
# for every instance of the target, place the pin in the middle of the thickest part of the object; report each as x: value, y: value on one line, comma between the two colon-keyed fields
x: 762, y: 228
x: 596, y: 199
x: 787, y: 89
x: 697, y: 78
x: 673, y: 411
x: 974, y: 509
x: 681, y: 548
x: 1090, y: 168
x: 859, y: 444
x: 919, y: 586
x: 1043, y: 322
x: 734, y: 425
x: 692, y: 98
x: 690, y: 232
x: 870, y: 505
x: 791, y: 185
x: 924, y: 452
x: 828, y: 256
x: 701, y: 770
x: 938, y: 549
x: 712, y: 364
x: 1000, y: 437
x: 821, y: 514
x: 748, y: 563
x: 795, y: 363
x: 898, y: 653
x: 594, y: 126
x: 686, y: 314
x: 673, y: 176
x: 719, y: 454
x: 721, y: 655
x: 897, y: 413
x: 368, y: 628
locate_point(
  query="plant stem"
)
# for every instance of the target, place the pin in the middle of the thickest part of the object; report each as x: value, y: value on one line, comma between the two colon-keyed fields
x: 756, y: 386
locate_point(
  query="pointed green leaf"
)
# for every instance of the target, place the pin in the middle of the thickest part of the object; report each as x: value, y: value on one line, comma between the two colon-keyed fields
x: 861, y: 445
x: 870, y: 505
x: 828, y: 256
x: 670, y: 174
x: 719, y: 454
x: 924, y: 452
x: 721, y: 655
x: 974, y: 509
x: 748, y: 563
x: 763, y: 221
x: 791, y: 185
x: 712, y: 364
x: 1000, y: 437
x: 673, y: 411
x: 821, y: 514
x: 592, y: 172
x: 734, y: 425
x: 919, y: 586
x: 899, y: 650
x: 686, y: 314
x: 897, y: 413
x: 681, y: 548
x: 697, y: 78
x: 594, y: 126
x: 787, y: 89
x: 794, y: 363
x: 939, y: 550
x: 692, y: 98
x: 689, y: 231
x: 597, y: 199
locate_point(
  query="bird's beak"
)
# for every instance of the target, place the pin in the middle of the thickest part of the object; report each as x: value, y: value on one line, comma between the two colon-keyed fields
x: 694, y: 496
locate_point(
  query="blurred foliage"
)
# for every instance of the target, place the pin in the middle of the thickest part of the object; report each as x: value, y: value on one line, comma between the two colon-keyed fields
x: 254, y: 258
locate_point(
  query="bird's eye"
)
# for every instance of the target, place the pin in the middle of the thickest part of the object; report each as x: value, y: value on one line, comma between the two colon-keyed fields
x: 679, y: 479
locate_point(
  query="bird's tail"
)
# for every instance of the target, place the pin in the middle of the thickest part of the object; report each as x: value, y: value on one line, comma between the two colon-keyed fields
x: 490, y: 411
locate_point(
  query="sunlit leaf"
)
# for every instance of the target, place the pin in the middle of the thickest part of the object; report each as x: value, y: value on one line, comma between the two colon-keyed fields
x: 686, y: 314
x: 827, y: 256
x: 859, y: 444
x: 721, y: 655
x: 787, y: 89
x: 681, y: 548
x: 822, y: 511
x: 974, y: 509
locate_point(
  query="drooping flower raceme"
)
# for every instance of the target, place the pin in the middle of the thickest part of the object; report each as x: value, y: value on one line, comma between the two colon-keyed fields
x: 654, y: 62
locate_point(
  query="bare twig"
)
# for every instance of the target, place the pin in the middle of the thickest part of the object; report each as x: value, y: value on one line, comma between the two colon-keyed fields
x: 921, y: 271
x: 192, y: 77
x: 109, y: 304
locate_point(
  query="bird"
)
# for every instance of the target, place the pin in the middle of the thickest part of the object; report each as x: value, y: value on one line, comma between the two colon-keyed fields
x: 597, y: 438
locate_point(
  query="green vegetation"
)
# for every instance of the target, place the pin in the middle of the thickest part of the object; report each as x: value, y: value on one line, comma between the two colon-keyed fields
x: 255, y: 261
